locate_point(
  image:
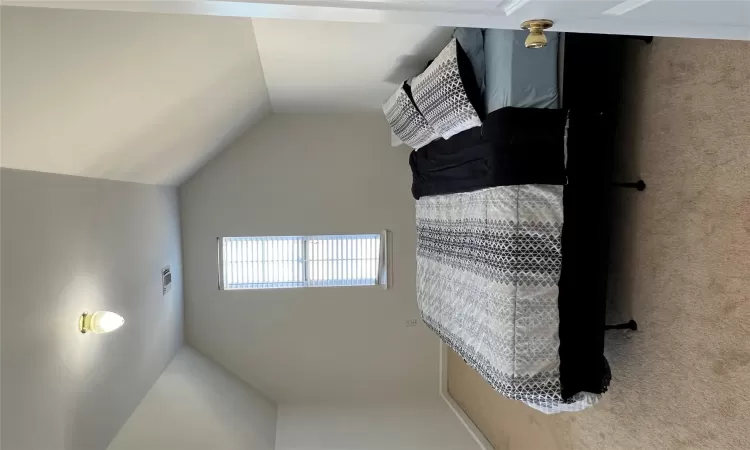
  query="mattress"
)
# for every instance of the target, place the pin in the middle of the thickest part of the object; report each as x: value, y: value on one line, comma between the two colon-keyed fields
x: 520, y: 77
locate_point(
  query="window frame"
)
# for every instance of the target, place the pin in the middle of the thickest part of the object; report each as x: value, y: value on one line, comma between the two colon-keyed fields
x: 383, y: 273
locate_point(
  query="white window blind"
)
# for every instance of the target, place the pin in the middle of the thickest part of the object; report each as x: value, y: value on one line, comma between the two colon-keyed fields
x: 268, y: 262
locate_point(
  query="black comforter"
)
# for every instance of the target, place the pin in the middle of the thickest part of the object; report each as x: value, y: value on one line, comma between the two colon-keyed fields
x: 514, y: 146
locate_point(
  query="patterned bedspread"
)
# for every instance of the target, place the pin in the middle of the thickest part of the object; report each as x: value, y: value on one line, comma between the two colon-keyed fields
x: 488, y: 266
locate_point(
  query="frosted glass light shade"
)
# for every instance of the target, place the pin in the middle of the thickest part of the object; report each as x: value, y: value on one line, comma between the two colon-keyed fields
x: 100, y: 322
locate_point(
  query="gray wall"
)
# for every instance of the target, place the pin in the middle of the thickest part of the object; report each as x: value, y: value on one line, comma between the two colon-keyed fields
x: 196, y: 405
x: 73, y: 244
x: 309, y: 174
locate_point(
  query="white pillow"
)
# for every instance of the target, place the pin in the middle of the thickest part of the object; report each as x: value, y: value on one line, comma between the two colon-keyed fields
x: 440, y: 95
x: 395, y: 141
x: 406, y: 121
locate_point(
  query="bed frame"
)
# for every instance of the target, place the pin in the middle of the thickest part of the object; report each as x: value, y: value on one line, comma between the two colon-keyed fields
x: 592, y: 89
x: 524, y: 146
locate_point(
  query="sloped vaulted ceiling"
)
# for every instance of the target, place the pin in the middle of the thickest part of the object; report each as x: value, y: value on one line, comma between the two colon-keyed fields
x: 339, y: 66
x: 136, y: 97
x: 150, y: 98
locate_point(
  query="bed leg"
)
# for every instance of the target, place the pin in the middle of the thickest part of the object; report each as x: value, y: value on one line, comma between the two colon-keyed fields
x: 646, y: 39
x: 632, y: 325
x: 639, y: 185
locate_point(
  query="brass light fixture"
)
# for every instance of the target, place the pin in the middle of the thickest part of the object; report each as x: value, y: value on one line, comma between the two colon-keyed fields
x: 100, y: 322
x: 536, y: 28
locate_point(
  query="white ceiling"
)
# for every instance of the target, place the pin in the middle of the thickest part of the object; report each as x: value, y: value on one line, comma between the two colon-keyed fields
x: 127, y: 96
x: 314, y: 65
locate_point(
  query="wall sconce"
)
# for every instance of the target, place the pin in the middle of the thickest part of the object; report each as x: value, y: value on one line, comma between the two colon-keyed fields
x: 100, y: 322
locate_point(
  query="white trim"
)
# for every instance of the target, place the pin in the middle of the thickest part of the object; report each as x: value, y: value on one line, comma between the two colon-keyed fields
x: 482, y: 442
x: 514, y: 6
x: 220, y: 271
x: 384, y: 271
x: 625, y: 7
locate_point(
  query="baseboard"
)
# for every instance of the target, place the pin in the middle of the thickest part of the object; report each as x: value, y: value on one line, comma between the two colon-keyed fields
x: 479, y: 438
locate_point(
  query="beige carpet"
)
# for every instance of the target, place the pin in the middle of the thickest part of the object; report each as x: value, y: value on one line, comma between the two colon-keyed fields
x: 681, y: 267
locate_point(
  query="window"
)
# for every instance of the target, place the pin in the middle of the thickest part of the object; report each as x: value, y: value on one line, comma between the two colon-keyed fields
x: 268, y: 262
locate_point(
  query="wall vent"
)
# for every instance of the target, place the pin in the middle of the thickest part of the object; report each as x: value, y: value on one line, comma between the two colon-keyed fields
x: 166, y: 280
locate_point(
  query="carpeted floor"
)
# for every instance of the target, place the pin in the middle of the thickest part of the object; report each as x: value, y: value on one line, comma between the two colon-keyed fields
x: 681, y: 268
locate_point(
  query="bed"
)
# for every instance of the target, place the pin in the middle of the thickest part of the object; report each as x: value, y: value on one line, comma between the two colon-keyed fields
x: 513, y: 209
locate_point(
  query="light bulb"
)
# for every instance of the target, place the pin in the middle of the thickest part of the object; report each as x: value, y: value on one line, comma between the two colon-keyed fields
x: 100, y: 322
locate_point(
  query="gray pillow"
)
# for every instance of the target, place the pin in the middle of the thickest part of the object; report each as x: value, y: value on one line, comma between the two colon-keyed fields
x: 472, y: 41
x: 518, y: 76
